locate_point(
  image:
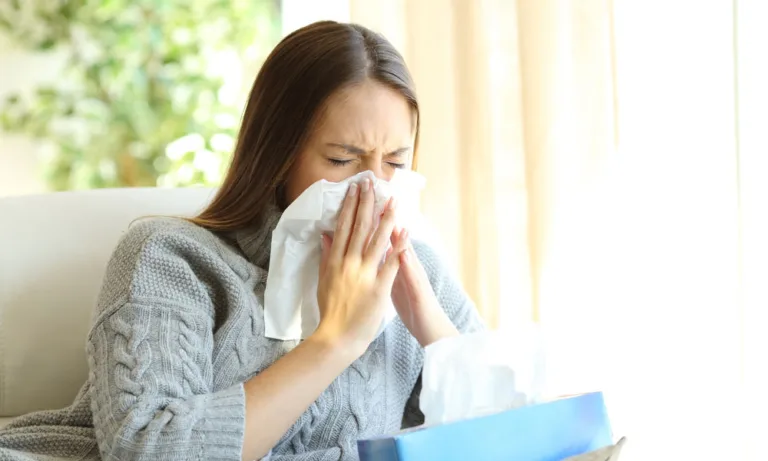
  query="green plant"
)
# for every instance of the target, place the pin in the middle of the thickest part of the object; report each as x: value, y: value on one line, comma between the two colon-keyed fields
x: 150, y: 93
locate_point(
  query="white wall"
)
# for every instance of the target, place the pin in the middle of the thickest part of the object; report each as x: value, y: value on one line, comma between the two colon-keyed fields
x: 19, y: 157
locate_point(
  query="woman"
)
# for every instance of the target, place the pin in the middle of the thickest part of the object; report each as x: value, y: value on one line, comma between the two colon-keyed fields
x: 179, y: 365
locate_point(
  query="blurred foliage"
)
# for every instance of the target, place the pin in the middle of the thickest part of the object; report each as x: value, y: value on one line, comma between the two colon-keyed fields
x: 151, y: 92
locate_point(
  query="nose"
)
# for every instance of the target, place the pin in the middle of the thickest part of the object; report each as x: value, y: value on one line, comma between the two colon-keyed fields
x: 375, y: 163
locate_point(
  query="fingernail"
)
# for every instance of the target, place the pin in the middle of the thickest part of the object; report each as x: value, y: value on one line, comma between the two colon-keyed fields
x: 404, y: 256
x: 366, y: 185
x: 352, y: 191
x: 392, y: 203
x: 404, y: 235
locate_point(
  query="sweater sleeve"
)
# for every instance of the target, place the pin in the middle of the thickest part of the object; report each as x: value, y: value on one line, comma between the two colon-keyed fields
x: 448, y: 290
x: 150, y: 357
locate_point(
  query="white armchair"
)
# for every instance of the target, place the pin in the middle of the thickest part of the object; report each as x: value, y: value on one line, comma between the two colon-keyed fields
x: 53, y: 252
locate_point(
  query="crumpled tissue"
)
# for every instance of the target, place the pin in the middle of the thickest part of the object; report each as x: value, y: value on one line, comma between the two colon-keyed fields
x: 290, y: 299
x: 482, y: 373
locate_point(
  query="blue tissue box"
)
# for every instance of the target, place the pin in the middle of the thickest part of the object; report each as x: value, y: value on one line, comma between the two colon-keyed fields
x: 550, y: 431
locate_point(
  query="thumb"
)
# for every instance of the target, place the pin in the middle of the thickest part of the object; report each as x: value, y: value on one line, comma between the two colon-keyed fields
x: 325, y: 250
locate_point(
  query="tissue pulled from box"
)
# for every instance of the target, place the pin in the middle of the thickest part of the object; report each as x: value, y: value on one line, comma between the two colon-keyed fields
x: 481, y: 373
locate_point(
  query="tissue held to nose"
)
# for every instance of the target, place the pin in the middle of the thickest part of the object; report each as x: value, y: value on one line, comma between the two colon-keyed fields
x: 291, y: 310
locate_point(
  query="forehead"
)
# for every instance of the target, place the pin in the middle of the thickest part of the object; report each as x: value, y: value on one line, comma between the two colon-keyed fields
x: 369, y: 114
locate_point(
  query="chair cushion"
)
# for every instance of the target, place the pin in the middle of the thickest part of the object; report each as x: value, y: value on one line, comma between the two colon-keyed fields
x: 53, y: 252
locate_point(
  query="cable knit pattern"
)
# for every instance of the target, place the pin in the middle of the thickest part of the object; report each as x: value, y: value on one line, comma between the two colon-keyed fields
x: 179, y: 327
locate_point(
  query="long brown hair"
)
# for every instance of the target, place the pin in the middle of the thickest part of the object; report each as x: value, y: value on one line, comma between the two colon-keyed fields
x: 286, y: 100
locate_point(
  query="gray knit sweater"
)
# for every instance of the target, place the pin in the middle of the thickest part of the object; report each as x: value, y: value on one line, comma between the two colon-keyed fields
x: 177, y: 330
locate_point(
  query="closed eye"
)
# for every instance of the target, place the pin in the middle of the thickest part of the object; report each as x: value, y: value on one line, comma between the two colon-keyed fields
x: 338, y: 162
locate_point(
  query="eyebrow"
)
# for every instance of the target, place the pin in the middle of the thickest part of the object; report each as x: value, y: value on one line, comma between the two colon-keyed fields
x: 360, y: 151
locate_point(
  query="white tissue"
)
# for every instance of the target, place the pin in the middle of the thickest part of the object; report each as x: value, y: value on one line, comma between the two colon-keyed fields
x: 481, y: 373
x: 290, y: 299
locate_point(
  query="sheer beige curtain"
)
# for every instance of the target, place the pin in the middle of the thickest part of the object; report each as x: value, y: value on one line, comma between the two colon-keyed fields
x: 517, y: 113
x: 599, y: 166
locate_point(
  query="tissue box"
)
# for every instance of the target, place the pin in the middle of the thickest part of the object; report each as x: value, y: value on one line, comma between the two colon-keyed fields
x: 550, y: 431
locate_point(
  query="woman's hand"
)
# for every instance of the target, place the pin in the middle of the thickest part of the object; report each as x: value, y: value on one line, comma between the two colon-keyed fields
x: 414, y: 298
x: 354, y: 288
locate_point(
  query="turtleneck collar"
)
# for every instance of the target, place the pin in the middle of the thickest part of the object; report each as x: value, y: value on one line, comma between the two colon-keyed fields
x: 256, y: 241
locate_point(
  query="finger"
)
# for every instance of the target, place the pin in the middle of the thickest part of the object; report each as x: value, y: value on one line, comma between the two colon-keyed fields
x: 394, y: 238
x: 394, y: 261
x: 407, y: 253
x: 383, y: 235
x: 325, y: 250
x: 402, y: 242
x: 363, y: 220
x: 388, y: 271
x: 344, y: 223
x: 410, y: 266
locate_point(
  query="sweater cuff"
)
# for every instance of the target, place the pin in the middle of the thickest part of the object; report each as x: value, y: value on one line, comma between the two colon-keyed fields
x: 223, y: 425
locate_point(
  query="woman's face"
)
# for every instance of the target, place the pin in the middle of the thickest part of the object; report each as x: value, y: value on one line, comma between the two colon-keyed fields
x: 364, y: 127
